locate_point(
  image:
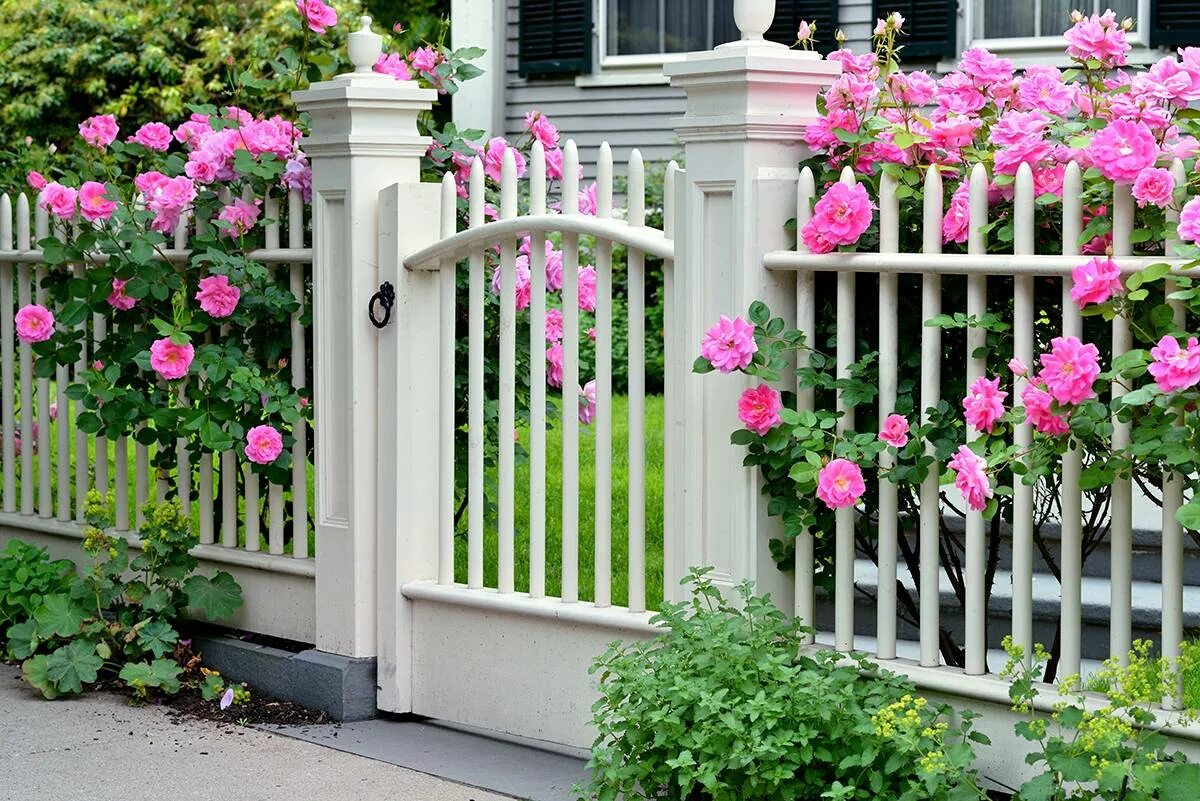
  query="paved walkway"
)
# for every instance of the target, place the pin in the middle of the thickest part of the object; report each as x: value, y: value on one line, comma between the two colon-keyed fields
x: 98, y: 748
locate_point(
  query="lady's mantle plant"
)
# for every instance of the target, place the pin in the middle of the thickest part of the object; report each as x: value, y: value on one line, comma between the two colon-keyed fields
x: 1123, y: 128
x: 725, y: 705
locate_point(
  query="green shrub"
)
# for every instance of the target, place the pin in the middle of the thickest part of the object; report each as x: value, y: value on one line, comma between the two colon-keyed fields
x: 27, y: 575
x: 106, y: 624
x: 1147, y: 671
x: 725, y: 704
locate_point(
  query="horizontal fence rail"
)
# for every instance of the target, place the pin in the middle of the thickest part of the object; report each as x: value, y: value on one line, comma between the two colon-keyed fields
x: 48, y: 465
x: 1001, y: 280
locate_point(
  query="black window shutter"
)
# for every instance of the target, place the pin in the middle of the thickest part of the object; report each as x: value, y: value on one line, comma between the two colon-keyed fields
x: 929, y: 25
x: 1175, y: 23
x: 555, y: 37
x: 790, y: 13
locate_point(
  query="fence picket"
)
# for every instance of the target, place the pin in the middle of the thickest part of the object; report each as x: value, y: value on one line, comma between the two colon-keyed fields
x: 602, y: 424
x: 45, y: 505
x: 475, y: 425
x: 298, y: 355
x: 1022, y: 556
x: 508, y: 380
x: 537, y: 379
x: 889, y: 295
x: 446, y: 419
x: 844, y: 550
x: 1121, y: 526
x: 636, y: 336
x: 570, y: 386
x: 7, y: 360
x: 975, y: 610
x: 24, y: 297
x: 931, y: 378
x: 806, y: 323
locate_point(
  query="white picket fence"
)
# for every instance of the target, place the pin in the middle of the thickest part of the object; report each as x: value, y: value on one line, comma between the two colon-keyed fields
x: 48, y: 465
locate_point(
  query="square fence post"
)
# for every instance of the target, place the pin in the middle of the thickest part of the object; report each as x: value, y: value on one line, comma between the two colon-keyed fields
x: 364, y: 138
x: 748, y: 105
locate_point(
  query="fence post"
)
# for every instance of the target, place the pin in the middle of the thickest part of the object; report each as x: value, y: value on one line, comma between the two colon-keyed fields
x: 748, y: 105
x: 364, y: 137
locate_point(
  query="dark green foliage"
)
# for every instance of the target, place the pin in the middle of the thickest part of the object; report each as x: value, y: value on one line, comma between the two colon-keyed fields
x: 27, y: 576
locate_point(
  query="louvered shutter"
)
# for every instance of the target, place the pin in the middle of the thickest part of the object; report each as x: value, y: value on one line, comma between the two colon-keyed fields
x: 929, y: 25
x: 790, y: 13
x: 555, y: 37
x: 1175, y: 23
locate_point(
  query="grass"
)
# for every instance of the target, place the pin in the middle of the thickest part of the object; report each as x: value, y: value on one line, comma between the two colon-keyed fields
x: 587, y: 483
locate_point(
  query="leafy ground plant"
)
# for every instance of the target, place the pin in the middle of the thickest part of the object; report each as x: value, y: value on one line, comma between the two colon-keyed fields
x: 27, y: 576
x: 726, y: 704
x: 1108, y: 751
x: 108, y: 625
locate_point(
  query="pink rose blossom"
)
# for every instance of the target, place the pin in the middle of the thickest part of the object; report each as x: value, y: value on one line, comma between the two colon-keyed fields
x: 99, y: 131
x: 1095, y: 281
x: 217, y: 297
x: 149, y: 181
x: 914, y: 88
x: 153, y: 136
x: 958, y: 94
x: 587, y: 200
x: 34, y: 323
x: 954, y: 133
x: 1042, y: 88
x: 240, y: 215
x: 971, y: 478
x: 587, y: 288
x: 1153, y: 186
x: 493, y: 158
x: 984, y: 404
x: 1017, y: 367
x: 393, y: 64
x: 1175, y: 368
x: 863, y: 66
x: 169, y: 360
x: 424, y: 59
x: 263, y: 444
x: 1070, y: 369
x: 93, y: 205
x: 956, y: 223
x: 53, y: 411
x: 35, y: 180
x: 168, y: 200
x: 759, y: 407
x: 554, y: 365
x: 118, y: 299
x: 537, y: 124
x: 812, y: 239
x: 1123, y: 149
x: 1098, y: 37
x: 729, y: 344
x: 1189, y: 221
x: 587, y: 402
x: 842, y: 214
x: 316, y: 15
x: 297, y: 176
x: 59, y: 200
x: 554, y: 325
x: 1038, y: 414
x: 521, y: 283
x: 894, y: 430
x: 840, y: 484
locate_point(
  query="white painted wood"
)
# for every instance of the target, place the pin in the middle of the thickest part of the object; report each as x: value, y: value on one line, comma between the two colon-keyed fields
x: 1121, y: 493
x: 446, y: 342
x: 82, y: 460
x: 975, y: 610
x: 229, y: 499
x: 507, y: 429
x: 537, y: 378
x: 1022, y: 557
x: 843, y: 561
x: 141, y: 480
x: 275, y: 511
x: 205, y: 501
x: 931, y: 378
x: 636, y: 336
x: 24, y: 298
x: 570, y: 387
x: 889, y: 347
x: 476, y: 432
x: 805, y: 593
x: 45, y: 506
x: 297, y: 363
x: 7, y: 361
x: 602, y: 424
x: 250, y: 508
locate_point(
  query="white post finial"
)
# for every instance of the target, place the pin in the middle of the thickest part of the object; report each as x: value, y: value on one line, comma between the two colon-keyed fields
x: 365, y: 47
x: 753, y: 18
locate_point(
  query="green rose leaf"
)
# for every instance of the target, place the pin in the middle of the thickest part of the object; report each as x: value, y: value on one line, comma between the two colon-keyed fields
x: 218, y: 598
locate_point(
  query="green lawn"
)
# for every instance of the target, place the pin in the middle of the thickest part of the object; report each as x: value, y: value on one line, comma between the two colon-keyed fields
x: 620, y: 551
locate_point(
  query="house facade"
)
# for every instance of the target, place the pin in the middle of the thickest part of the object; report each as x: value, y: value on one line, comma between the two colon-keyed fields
x: 595, y: 66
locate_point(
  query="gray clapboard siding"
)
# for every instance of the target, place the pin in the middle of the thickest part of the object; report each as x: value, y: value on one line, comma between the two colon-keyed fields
x: 624, y: 116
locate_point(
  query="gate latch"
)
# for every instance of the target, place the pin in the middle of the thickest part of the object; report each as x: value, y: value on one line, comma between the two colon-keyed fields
x: 386, y: 298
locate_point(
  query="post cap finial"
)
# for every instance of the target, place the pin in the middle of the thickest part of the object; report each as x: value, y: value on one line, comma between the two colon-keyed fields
x: 365, y: 46
x: 753, y: 18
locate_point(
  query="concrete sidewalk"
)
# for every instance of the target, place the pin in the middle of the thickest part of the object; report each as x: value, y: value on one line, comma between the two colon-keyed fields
x: 98, y: 748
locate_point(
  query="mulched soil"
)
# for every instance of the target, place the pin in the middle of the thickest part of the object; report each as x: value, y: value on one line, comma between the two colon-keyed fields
x: 259, y: 710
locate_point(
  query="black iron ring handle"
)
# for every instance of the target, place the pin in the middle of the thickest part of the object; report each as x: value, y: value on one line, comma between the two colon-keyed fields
x: 385, y: 297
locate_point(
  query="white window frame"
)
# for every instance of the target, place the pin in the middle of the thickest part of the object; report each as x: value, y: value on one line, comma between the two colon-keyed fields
x: 605, y: 61
x: 1051, y: 48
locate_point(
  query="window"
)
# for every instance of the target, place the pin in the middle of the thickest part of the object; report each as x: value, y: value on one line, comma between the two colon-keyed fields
x: 651, y: 31
x: 1037, y: 24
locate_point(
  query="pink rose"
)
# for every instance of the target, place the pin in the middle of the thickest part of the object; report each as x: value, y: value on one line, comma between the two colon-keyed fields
x: 34, y: 323
x: 1042, y: 88
x: 971, y: 478
x: 1189, y: 221
x: 1038, y: 413
x: 1070, y: 369
x: 587, y: 402
x: 1122, y: 150
x: 842, y: 213
x: 394, y: 65
x: 493, y: 158
x: 521, y: 284
x: 59, y: 200
x: 958, y: 94
x: 1154, y: 185
x: 759, y: 408
x: 554, y: 365
x: 537, y: 124
x: 93, y: 205
x: 263, y: 444
x: 1095, y: 281
x: 986, y: 69
x: 587, y: 288
x: 1017, y: 367
x: 118, y: 299
x: 894, y: 431
x: 297, y: 176
x: 1098, y: 37
x: 217, y: 297
x: 812, y: 239
x: 35, y: 180
x: 840, y: 484
x: 729, y: 344
x: 169, y: 360
x: 153, y: 136
x: 240, y: 215
x: 956, y: 223
x: 424, y: 59
x: 554, y: 325
x: 984, y: 404
x: 99, y: 131
x: 148, y: 182
x: 317, y: 15
x: 168, y: 199
x: 587, y: 200
x: 1175, y: 368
